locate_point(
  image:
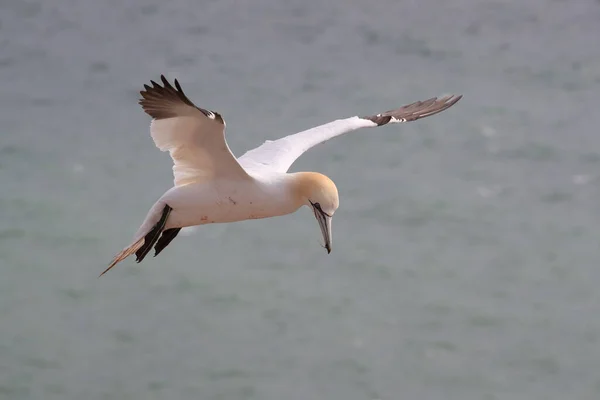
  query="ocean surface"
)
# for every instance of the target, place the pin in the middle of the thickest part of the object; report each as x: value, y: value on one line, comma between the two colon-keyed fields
x: 466, y: 253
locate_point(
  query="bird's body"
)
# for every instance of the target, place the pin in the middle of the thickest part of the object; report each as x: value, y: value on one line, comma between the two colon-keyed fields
x: 229, y: 200
x: 212, y: 186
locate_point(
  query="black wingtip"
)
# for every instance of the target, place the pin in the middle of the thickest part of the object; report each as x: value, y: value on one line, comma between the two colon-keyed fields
x: 178, y: 86
x: 166, y: 83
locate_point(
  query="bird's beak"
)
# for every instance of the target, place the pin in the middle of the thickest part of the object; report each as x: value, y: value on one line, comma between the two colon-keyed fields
x: 325, y: 225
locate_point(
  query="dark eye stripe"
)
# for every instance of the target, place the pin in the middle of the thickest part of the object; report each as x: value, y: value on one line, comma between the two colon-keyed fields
x: 318, y: 207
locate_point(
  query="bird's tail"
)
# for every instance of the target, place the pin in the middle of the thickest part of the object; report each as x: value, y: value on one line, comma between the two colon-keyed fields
x: 146, y: 237
x: 135, y: 246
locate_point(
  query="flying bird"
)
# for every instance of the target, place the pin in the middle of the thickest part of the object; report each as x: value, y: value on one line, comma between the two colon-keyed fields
x: 211, y: 185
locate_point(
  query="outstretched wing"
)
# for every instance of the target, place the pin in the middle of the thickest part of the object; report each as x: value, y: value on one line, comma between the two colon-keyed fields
x: 194, y: 137
x: 279, y: 155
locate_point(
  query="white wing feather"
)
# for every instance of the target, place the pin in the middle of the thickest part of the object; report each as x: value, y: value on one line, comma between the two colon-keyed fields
x: 279, y: 155
x: 194, y: 137
x: 197, y: 147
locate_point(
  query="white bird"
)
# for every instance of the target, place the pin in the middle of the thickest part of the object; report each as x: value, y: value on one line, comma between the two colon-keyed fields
x: 212, y: 186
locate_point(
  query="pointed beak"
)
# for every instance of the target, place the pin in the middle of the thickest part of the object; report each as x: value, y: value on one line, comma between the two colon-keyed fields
x: 325, y: 225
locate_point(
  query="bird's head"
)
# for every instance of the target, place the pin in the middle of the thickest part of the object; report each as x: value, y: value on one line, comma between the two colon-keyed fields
x: 319, y: 193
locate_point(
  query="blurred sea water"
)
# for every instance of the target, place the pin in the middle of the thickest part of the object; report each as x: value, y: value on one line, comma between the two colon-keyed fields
x: 465, y: 255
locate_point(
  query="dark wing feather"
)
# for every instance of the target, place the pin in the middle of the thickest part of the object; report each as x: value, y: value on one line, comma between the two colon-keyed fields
x: 161, y: 102
x: 415, y: 111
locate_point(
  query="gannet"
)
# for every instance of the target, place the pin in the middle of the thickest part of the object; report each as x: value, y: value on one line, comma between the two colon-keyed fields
x: 212, y: 186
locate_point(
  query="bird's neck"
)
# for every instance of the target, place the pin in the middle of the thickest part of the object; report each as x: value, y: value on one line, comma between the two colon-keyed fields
x: 282, y: 193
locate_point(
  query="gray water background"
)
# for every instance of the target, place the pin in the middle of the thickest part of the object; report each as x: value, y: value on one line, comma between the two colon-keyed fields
x: 466, y: 247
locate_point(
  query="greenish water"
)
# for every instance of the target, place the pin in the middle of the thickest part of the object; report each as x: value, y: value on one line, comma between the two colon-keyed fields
x: 465, y: 261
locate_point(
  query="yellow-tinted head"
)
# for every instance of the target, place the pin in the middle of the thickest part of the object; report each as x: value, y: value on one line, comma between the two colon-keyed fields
x: 319, y: 193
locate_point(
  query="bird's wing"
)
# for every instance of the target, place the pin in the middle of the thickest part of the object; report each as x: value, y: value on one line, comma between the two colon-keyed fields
x: 194, y: 137
x: 279, y: 155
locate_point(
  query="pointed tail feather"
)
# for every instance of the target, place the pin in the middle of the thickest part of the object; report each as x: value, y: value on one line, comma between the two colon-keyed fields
x: 125, y: 253
x: 144, y: 244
